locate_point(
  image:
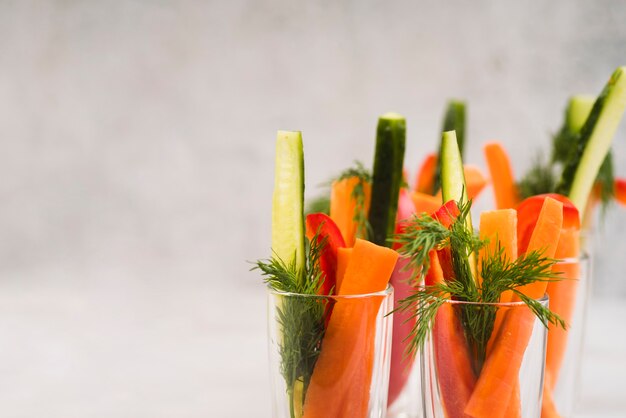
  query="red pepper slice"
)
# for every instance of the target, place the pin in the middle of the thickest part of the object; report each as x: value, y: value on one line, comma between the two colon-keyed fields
x: 323, y: 225
x: 528, y: 213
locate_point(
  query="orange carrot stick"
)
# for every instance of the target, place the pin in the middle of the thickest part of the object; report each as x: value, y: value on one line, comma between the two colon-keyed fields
x: 343, y: 257
x: 562, y: 301
x: 475, y: 181
x: 500, y: 227
x: 501, y: 173
x: 544, y: 239
x: 495, y: 386
x: 425, y: 179
x: 343, y: 204
x: 499, y: 376
x: 425, y: 203
x: 342, y: 375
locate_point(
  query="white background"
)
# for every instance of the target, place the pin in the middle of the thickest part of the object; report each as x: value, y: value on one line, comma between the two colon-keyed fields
x: 136, y: 164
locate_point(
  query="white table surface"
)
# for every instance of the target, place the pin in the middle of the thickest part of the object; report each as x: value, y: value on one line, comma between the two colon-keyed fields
x: 110, y: 347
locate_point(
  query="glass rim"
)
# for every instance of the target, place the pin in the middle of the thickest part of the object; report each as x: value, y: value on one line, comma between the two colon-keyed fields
x: 386, y: 292
x: 543, y: 299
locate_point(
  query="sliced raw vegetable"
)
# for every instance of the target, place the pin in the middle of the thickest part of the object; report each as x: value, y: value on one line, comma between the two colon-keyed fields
x: 342, y: 374
x: 343, y: 258
x: 620, y: 191
x: 501, y: 173
x: 387, y: 176
x: 424, y: 181
x: 320, y: 225
x: 528, y: 213
x: 594, y: 141
x: 454, y: 120
x: 344, y: 207
x: 544, y: 240
x: 288, y: 200
x: 425, y: 203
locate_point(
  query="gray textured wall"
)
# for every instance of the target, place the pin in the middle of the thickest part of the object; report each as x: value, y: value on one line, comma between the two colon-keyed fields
x: 136, y: 169
x: 138, y: 135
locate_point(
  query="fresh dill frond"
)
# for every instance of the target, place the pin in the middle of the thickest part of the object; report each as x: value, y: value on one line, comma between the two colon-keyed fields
x: 360, y: 217
x: 301, y: 315
x: 421, y: 235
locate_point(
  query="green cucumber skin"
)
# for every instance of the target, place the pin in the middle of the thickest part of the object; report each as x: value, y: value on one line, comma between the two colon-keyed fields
x: 594, y: 141
x: 386, y: 177
x: 454, y: 120
x: 288, y: 199
x: 452, y: 174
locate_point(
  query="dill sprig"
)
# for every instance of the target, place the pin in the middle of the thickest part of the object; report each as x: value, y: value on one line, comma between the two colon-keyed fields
x: 497, y: 272
x: 301, y: 316
x: 358, y: 195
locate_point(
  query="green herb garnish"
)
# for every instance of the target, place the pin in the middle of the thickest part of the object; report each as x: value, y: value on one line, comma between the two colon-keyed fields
x: 301, y: 318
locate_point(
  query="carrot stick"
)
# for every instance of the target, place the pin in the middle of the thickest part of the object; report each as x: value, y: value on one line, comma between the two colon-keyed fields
x: 543, y: 240
x: 425, y: 179
x: 425, y: 203
x: 548, y: 408
x: 500, y: 227
x: 342, y: 206
x: 495, y: 386
x: 341, y: 378
x: 504, y: 188
x: 343, y: 257
x: 499, y: 376
x: 475, y: 181
x: 562, y: 301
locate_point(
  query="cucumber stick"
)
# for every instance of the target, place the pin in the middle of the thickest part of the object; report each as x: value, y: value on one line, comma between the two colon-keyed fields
x: 454, y: 120
x: 288, y: 199
x: 387, y: 177
x: 452, y: 175
x: 578, y: 110
x: 595, y: 140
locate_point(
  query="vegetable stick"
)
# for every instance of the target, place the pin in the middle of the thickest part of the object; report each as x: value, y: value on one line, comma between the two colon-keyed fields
x: 425, y: 177
x: 620, y: 191
x: 342, y: 375
x: 496, y: 384
x: 543, y: 240
x: 499, y: 376
x: 501, y: 173
x: 425, y: 203
x: 321, y: 225
x: 475, y: 181
x: 453, y: 364
x: 343, y: 257
x: 500, y: 227
x: 562, y: 300
x: 343, y: 205
x: 403, y: 321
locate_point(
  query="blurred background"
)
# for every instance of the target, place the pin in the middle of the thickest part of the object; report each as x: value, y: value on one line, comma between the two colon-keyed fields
x: 136, y: 171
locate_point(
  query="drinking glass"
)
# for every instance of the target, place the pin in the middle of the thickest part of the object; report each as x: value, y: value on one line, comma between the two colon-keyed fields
x: 503, y: 380
x: 329, y: 355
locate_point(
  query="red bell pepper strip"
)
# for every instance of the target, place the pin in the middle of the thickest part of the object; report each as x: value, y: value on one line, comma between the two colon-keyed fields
x: 325, y: 228
x: 528, y: 213
x: 403, y: 321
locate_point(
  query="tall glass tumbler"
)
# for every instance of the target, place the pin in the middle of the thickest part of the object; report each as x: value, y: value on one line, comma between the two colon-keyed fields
x: 568, y: 298
x: 329, y: 355
x: 503, y: 379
